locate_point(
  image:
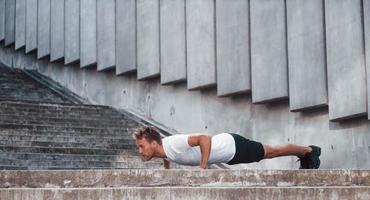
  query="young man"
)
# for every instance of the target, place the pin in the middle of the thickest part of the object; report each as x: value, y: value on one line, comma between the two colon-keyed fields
x: 229, y: 148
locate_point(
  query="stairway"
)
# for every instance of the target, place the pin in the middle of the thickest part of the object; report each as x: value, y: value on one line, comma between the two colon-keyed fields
x: 186, y: 184
x: 40, y: 129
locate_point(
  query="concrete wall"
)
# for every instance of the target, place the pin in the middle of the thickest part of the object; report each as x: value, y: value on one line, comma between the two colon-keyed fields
x: 305, y: 54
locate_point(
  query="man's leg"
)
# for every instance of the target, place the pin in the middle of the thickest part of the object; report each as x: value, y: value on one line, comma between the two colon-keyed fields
x: 285, y: 150
x: 308, y: 156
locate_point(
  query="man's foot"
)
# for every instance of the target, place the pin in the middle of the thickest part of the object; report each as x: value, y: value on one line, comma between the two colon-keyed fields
x: 311, y: 160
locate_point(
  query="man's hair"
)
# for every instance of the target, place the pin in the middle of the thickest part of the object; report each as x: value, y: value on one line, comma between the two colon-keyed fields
x: 150, y: 133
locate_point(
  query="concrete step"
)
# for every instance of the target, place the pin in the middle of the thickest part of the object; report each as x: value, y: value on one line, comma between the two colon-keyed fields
x: 55, y: 144
x: 66, y: 127
x: 63, y: 118
x: 8, y: 164
x: 63, y: 123
x: 61, y: 150
x: 190, y: 193
x: 181, y: 178
x: 123, y: 157
x: 42, y: 138
x: 107, y: 134
x: 53, y: 106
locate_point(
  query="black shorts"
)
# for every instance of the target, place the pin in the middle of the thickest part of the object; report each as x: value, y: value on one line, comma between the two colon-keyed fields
x: 246, y: 151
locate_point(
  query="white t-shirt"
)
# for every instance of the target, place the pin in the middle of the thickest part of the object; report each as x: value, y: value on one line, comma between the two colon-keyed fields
x: 178, y: 150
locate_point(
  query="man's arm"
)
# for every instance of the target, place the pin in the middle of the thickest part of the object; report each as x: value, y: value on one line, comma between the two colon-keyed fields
x: 204, y: 142
x: 166, y: 164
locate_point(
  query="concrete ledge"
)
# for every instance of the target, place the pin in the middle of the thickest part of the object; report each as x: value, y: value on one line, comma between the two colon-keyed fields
x: 205, y: 178
x: 279, y: 193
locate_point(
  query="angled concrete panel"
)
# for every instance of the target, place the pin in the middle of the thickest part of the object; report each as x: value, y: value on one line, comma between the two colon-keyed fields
x: 43, y: 28
x: 345, y: 58
x: 2, y: 20
x: 126, y: 36
x: 173, y: 41
x: 72, y: 31
x: 20, y: 23
x: 56, y: 30
x: 148, y: 56
x: 9, y: 22
x: 87, y: 33
x: 106, y: 34
x: 268, y: 50
x: 233, y: 60
x: 367, y: 47
x: 306, y: 50
x: 31, y: 25
x: 201, y: 47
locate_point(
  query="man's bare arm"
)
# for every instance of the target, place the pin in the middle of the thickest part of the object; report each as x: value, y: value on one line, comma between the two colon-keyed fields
x: 166, y: 164
x: 204, y: 142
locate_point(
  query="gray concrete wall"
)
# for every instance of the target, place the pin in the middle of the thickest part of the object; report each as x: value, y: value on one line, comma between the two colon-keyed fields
x: 366, y: 5
x: 233, y: 55
x: 20, y: 23
x: 126, y: 36
x: 200, y: 41
x: 72, y: 31
x: 268, y: 50
x: 345, y: 58
x: 9, y: 22
x: 31, y: 25
x: 148, y: 57
x: 43, y: 28
x: 56, y: 30
x: 306, y: 54
x: 106, y: 35
x: 88, y: 37
x: 2, y: 20
x: 173, y: 41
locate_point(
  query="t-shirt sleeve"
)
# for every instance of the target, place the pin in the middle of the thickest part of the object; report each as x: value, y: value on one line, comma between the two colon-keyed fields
x: 179, y: 143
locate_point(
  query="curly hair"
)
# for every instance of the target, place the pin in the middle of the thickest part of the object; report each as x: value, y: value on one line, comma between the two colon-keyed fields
x: 150, y: 133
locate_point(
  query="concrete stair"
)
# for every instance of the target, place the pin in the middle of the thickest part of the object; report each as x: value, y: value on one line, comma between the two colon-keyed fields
x: 16, y: 85
x: 186, y: 184
x: 41, y: 129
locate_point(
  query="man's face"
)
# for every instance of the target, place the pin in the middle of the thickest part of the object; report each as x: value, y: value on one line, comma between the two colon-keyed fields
x: 145, y: 148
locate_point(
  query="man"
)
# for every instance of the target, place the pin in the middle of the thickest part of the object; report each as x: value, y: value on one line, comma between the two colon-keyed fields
x: 229, y: 148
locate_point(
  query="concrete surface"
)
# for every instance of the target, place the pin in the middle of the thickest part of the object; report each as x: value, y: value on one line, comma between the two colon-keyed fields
x: 20, y: 23
x: 197, y: 193
x: 366, y: 5
x: 2, y: 20
x: 126, y: 36
x: 9, y: 22
x: 306, y: 50
x: 31, y: 25
x: 268, y: 50
x: 56, y: 30
x: 106, y: 35
x: 173, y: 41
x: 148, y: 57
x: 87, y: 32
x: 200, y: 44
x: 43, y: 28
x: 183, y: 178
x: 345, y: 59
x: 233, y: 55
x: 72, y: 31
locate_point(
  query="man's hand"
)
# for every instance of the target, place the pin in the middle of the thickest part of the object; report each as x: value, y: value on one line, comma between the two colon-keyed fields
x: 204, y: 142
x: 166, y: 164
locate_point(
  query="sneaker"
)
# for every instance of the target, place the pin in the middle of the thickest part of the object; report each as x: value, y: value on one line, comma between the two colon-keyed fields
x: 310, y: 160
x: 314, y: 160
x: 304, y: 162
